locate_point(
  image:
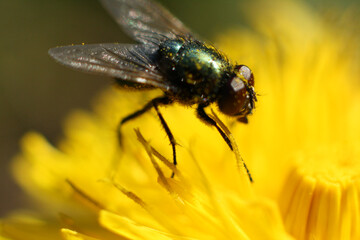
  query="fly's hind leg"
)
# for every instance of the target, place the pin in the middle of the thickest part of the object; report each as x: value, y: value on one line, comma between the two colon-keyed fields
x: 134, y: 115
x: 164, y: 100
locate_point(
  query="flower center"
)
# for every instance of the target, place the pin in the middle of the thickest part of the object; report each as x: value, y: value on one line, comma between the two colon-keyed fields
x: 320, y: 198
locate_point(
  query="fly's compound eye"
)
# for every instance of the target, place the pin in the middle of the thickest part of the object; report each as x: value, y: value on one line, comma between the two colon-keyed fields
x: 246, y: 73
x: 234, y: 98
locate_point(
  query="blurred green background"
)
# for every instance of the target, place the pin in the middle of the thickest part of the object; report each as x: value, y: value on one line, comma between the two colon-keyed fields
x: 36, y: 93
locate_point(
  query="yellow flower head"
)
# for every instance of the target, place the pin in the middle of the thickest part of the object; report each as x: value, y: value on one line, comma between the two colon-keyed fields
x: 301, y: 145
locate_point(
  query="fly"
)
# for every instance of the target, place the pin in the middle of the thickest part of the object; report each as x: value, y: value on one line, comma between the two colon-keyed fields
x: 169, y: 57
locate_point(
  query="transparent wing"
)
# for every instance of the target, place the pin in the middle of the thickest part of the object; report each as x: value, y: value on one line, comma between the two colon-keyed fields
x: 145, y: 21
x: 127, y: 62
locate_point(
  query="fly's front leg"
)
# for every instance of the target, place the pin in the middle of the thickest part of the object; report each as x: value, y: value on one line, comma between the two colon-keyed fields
x: 202, y: 115
x: 208, y: 120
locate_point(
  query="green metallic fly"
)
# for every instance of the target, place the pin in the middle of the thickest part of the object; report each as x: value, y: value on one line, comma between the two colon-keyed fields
x: 168, y: 57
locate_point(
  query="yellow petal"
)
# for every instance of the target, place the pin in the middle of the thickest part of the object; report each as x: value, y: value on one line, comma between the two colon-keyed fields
x: 133, y: 230
x: 72, y: 235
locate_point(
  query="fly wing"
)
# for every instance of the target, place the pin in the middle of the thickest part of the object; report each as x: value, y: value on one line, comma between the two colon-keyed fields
x: 128, y: 62
x: 146, y: 21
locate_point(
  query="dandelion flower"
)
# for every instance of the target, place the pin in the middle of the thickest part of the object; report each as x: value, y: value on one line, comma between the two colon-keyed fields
x: 129, y: 192
x: 301, y: 145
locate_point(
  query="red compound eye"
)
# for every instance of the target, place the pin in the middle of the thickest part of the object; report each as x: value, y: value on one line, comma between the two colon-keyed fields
x: 234, y: 97
x: 237, y: 95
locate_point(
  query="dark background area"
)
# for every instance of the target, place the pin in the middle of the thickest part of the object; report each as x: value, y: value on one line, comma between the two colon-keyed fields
x: 36, y: 93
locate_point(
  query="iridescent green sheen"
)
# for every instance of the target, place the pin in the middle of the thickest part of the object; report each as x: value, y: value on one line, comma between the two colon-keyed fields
x: 197, y: 69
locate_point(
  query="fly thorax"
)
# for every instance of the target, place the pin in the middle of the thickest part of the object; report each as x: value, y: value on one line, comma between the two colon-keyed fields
x: 198, y: 63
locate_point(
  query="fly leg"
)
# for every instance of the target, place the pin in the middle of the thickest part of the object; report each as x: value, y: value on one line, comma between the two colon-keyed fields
x: 202, y: 115
x: 168, y: 132
x: 134, y: 115
x: 208, y: 120
x: 164, y: 100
